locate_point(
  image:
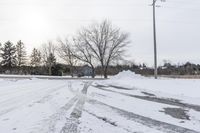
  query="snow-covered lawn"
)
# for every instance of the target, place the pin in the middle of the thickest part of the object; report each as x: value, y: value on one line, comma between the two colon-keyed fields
x: 125, y: 103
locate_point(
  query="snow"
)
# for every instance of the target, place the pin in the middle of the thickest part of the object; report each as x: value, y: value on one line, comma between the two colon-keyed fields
x: 179, y: 87
x: 122, y: 125
x: 24, y: 103
x: 126, y: 75
x: 145, y: 108
x: 116, y: 105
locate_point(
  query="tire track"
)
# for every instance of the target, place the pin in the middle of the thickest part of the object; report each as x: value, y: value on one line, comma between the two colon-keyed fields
x: 149, y: 122
x: 71, y: 125
x: 19, y: 99
x: 168, y: 101
x: 112, y: 123
x: 60, y: 115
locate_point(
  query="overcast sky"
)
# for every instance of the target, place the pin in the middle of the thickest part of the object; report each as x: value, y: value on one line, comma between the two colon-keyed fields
x: 178, y: 24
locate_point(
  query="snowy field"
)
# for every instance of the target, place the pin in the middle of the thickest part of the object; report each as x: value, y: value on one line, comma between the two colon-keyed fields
x: 126, y: 103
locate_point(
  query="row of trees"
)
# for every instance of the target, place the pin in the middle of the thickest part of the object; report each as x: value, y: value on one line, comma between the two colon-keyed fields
x: 99, y: 44
x: 13, y: 55
x: 16, y: 56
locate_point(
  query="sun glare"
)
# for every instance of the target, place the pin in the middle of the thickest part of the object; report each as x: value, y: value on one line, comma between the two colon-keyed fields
x: 33, y: 23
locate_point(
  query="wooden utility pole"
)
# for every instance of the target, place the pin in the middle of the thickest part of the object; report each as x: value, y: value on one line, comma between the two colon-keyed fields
x: 154, y: 39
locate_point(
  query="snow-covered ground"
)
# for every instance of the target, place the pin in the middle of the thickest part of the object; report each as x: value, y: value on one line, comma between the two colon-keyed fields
x: 125, y: 103
x: 184, y: 89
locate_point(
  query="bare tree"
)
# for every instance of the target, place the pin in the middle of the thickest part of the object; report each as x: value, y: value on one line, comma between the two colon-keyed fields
x: 66, y: 52
x: 84, y: 53
x: 48, y: 55
x: 106, y: 43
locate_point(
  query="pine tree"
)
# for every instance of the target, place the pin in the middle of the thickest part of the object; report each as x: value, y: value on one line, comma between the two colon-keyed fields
x: 21, y: 53
x: 0, y: 54
x: 8, y: 54
x: 35, y: 58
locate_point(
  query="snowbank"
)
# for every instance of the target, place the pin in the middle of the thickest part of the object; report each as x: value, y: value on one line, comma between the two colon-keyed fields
x: 177, y: 87
x: 126, y: 75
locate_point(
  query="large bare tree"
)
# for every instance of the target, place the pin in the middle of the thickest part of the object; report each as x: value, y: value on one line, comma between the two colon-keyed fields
x: 105, y: 42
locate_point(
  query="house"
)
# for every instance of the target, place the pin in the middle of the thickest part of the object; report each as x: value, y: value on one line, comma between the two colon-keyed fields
x: 84, y: 71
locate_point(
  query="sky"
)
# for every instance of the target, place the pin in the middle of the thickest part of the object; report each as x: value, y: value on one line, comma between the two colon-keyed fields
x: 178, y: 24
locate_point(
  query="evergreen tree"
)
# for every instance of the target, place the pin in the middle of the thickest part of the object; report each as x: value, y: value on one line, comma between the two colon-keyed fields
x: 0, y: 54
x: 21, y: 53
x: 8, y: 54
x: 35, y: 58
x: 0, y: 51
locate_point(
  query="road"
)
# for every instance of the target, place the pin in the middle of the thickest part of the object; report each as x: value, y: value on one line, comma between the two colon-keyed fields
x: 22, y: 77
x: 59, y: 106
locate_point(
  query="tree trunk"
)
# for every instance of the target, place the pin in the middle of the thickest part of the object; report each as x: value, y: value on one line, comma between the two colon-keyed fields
x: 102, y: 69
x: 72, y: 71
x: 93, y: 72
x: 105, y: 73
x: 50, y: 71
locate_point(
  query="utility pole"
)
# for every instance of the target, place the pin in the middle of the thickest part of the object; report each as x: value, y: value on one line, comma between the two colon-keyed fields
x: 154, y: 39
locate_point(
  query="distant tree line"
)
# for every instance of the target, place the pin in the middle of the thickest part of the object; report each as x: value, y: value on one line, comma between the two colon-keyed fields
x: 187, y: 68
x: 101, y: 46
x: 167, y: 68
